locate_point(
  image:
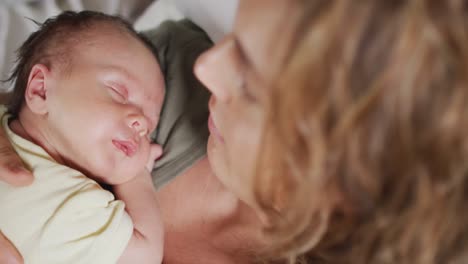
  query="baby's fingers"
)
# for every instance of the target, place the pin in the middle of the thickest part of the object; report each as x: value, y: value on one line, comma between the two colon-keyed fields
x: 155, y: 152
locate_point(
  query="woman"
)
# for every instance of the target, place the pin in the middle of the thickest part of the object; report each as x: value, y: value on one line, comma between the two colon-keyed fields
x: 338, y: 135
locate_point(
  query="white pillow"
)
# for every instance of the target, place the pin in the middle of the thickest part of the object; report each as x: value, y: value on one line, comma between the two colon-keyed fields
x: 214, y: 16
x: 156, y: 13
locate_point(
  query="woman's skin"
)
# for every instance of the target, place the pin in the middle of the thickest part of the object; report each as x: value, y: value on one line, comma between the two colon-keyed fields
x: 220, y: 222
x: 209, y: 214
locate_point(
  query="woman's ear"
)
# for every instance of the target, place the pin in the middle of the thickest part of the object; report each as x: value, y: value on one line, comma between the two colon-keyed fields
x: 36, y: 89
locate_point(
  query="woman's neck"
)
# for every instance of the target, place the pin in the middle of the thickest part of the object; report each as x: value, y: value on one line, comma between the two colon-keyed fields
x: 204, y: 217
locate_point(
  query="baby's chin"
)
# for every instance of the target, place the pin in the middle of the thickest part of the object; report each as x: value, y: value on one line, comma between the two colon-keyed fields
x: 119, y: 174
x: 113, y: 167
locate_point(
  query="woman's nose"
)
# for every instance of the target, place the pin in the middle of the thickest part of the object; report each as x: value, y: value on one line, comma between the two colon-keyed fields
x: 218, y: 69
x: 138, y: 123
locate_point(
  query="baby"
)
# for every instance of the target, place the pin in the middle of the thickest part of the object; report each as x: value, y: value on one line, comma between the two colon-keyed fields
x: 104, y: 76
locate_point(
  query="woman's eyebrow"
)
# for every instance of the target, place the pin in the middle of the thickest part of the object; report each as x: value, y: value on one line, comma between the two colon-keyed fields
x: 247, y: 70
x: 246, y: 61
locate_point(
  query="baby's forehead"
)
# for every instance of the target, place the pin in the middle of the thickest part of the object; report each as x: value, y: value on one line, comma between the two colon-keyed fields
x: 101, y: 39
x: 98, y: 32
x: 68, y: 42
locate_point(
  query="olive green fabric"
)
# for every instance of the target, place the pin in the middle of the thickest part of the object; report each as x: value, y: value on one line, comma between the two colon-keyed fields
x: 182, y: 129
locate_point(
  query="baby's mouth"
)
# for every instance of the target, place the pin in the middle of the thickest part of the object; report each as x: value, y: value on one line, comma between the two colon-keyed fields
x: 129, y: 148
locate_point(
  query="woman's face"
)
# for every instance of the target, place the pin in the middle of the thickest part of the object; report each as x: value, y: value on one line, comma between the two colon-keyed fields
x: 239, y: 71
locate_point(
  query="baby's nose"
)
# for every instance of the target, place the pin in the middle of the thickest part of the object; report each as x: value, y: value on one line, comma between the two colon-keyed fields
x: 139, y: 124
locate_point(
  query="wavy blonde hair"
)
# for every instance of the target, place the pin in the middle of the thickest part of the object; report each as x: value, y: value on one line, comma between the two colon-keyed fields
x: 365, y: 151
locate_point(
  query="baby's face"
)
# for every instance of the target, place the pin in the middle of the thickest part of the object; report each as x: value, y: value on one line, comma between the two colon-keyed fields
x: 102, y: 111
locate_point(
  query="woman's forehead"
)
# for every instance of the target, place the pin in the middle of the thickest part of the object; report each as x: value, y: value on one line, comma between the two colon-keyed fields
x: 265, y: 29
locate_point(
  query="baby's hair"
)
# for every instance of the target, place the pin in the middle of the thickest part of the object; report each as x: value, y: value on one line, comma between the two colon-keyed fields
x: 52, y: 45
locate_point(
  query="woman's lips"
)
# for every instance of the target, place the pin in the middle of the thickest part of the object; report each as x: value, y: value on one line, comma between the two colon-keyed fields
x: 129, y: 148
x: 214, y: 130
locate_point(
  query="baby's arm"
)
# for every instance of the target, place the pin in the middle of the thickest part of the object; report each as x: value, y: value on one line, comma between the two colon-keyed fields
x: 146, y: 243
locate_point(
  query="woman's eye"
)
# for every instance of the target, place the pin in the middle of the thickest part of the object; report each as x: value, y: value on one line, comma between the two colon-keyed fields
x: 246, y: 91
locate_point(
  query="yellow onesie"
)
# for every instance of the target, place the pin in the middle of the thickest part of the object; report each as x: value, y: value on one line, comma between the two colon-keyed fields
x: 63, y: 217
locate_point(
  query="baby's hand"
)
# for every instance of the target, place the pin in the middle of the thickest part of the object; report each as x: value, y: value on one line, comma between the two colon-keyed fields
x: 155, y: 153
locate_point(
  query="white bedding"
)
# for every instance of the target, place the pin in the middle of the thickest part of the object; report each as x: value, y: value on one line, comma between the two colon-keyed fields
x: 214, y: 16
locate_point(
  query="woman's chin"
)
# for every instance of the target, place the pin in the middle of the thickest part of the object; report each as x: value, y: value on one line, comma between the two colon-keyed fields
x: 216, y: 157
x: 211, y: 151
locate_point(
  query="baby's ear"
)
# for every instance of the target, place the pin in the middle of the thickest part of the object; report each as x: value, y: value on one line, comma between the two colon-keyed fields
x: 36, y: 89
